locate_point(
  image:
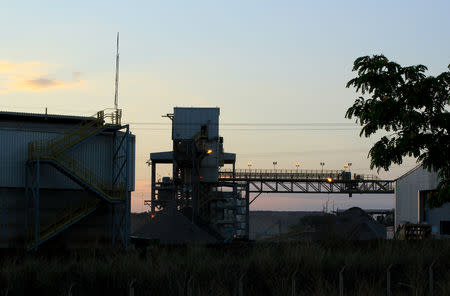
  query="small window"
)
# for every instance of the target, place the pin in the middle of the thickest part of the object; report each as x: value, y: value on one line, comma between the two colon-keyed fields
x: 445, y: 227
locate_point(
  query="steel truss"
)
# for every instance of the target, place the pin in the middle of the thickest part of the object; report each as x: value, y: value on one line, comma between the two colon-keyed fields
x: 274, y: 185
x: 120, y: 178
x: 319, y: 186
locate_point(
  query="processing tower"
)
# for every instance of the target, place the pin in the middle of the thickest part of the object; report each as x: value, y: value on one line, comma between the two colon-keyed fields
x: 194, y: 189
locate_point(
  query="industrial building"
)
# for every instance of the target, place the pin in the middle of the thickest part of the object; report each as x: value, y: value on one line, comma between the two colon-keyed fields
x: 218, y: 207
x: 65, y: 181
x: 203, y: 195
x: 411, y: 191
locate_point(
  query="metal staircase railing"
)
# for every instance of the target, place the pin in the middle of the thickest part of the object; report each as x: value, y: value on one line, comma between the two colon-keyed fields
x: 88, y: 177
x: 71, y: 137
x: 292, y: 174
x: 52, y: 152
x: 70, y: 215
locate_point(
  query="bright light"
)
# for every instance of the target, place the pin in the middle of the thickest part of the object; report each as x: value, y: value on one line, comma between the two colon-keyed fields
x: 209, y: 151
x: 330, y: 179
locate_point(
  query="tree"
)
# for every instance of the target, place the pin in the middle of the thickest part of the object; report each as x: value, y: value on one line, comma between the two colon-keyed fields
x: 413, y: 108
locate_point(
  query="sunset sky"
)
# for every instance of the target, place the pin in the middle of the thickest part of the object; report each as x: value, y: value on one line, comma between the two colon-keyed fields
x: 277, y: 70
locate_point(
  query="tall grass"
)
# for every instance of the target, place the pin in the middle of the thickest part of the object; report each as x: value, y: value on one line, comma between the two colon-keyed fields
x: 267, y: 269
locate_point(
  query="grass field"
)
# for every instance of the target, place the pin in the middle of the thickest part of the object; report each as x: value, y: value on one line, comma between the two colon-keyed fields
x: 266, y: 269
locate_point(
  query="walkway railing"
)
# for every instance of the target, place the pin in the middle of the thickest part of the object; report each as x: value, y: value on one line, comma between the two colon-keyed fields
x: 293, y: 174
x: 71, y: 213
x: 57, y: 145
x: 89, y: 177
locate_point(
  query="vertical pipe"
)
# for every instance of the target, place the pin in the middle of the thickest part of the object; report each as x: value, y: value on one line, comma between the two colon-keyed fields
x: 153, y: 177
x: 241, y: 285
x: 2, y: 215
x: 189, y: 289
x: 113, y: 220
x: 388, y: 280
x: 27, y: 196
x: 36, y: 196
x: 131, y: 288
x: 341, y: 281
x: 279, y: 230
x: 430, y: 278
x: 247, y: 209
x: 127, y: 189
x: 294, y: 287
x: 113, y: 169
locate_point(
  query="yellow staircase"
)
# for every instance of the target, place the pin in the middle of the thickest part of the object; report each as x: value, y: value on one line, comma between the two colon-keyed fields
x: 57, y: 145
x: 52, y: 152
x: 88, y: 178
x: 70, y: 215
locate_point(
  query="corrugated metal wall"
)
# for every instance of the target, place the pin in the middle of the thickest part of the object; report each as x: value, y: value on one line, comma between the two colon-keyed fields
x: 95, y: 154
x: 132, y: 165
x: 188, y: 121
x: 407, y: 194
x: 57, y: 191
x: 436, y: 215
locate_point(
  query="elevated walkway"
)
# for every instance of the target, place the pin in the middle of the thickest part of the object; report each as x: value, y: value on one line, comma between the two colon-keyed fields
x: 258, y: 174
x: 306, y: 181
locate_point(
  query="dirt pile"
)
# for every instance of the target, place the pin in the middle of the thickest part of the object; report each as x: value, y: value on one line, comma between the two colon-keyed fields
x: 264, y: 224
x: 355, y: 224
x: 172, y: 227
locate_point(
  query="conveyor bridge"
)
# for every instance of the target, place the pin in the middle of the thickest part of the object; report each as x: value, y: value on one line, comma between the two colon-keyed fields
x: 307, y: 181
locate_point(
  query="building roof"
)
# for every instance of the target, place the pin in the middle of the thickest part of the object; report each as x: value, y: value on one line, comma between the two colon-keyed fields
x: 53, y: 118
x: 409, y: 172
x: 167, y: 157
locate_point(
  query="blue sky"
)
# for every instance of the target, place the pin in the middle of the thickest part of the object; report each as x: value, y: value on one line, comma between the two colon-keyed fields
x: 260, y: 61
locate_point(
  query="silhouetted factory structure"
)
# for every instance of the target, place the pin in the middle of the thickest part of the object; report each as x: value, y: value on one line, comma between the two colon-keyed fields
x: 218, y: 207
x: 65, y: 181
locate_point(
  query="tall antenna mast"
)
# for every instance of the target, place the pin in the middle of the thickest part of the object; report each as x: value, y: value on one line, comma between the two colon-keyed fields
x: 116, y: 93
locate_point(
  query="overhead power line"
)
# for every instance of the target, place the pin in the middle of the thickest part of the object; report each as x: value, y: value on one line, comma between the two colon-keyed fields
x: 253, y: 123
x: 260, y: 129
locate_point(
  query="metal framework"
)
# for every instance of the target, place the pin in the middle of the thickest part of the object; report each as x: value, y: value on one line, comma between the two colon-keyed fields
x: 120, y: 178
x: 317, y: 186
x: 306, y: 181
x: 115, y: 192
x: 275, y: 174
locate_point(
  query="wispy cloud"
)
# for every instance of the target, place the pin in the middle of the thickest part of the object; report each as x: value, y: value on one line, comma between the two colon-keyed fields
x: 31, y: 76
x: 77, y: 76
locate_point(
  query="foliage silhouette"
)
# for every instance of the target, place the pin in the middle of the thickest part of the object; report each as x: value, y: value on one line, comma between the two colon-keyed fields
x: 410, y: 105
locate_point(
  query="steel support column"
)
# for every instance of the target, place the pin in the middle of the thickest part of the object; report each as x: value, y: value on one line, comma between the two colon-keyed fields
x: 153, y: 185
x: 120, y: 177
x: 247, y: 214
x: 32, y: 192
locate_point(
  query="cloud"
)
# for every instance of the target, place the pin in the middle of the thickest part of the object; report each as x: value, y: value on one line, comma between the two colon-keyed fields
x: 26, y: 68
x: 30, y: 77
x: 77, y: 76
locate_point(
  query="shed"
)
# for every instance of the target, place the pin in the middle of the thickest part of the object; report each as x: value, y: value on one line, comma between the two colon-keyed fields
x: 410, y: 201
